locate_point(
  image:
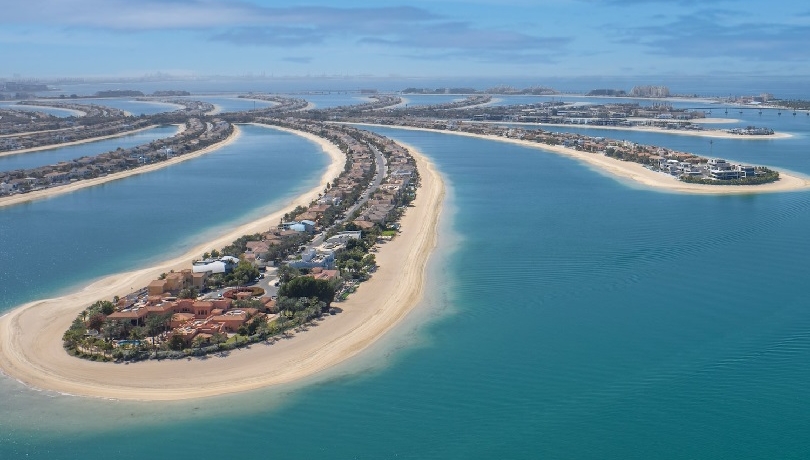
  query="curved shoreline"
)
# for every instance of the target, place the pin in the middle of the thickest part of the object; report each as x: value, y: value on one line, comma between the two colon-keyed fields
x: 74, y: 112
x: 712, y: 133
x: 82, y: 141
x: 30, y: 336
x: 68, y: 188
x: 637, y: 172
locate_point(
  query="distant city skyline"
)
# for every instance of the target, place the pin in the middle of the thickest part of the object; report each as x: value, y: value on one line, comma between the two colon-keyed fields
x: 440, y: 38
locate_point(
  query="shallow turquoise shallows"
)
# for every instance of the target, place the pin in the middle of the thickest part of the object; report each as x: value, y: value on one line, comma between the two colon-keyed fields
x: 568, y: 315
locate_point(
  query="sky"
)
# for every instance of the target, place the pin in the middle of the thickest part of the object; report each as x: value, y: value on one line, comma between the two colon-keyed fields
x: 388, y: 38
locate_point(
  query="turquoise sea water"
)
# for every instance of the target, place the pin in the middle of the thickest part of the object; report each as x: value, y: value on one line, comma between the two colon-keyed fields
x: 568, y: 315
x: 59, y: 154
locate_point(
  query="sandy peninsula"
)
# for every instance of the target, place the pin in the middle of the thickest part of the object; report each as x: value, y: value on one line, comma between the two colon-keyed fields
x: 711, y: 133
x: 82, y: 141
x: 637, y: 173
x: 30, y: 336
x: 78, y: 185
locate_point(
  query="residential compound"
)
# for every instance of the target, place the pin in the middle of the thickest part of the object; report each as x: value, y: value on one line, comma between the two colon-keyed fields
x: 190, y: 318
x: 197, y: 135
x: 358, y: 199
x: 382, y: 205
x: 72, y: 131
x: 685, y: 166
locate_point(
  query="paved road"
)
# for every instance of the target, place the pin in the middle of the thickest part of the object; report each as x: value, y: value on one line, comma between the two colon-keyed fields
x: 382, y: 170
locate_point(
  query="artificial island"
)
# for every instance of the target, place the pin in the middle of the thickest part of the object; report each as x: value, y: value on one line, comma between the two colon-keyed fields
x: 372, y: 220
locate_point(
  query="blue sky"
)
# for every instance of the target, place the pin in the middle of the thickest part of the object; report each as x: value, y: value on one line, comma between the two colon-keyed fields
x: 437, y: 38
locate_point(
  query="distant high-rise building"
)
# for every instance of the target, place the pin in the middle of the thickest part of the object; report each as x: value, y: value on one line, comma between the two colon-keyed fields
x: 650, y: 91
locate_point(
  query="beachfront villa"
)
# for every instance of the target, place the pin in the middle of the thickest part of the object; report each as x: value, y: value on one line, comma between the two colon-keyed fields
x: 224, y: 264
x: 190, y: 317
x: 304, y: 225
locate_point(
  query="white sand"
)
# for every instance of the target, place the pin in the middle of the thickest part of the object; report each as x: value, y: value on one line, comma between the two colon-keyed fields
x: 30, y: 336
x: 78, y: 185
x: 712, y: 133
x: 638, y: 173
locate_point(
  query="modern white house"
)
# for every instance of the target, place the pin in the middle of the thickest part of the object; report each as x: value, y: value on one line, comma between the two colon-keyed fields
x: 224, y: 264
x: 312, y: 258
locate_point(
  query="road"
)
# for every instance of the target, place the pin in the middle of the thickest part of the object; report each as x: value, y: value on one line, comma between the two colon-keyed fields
x: 382, y: 170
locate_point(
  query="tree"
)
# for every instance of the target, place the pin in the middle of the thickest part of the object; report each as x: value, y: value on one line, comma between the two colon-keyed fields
x: 115, y: 329
x: 286, y: 273
x: 155, y: 324
x: 188, y: 293
x: 257, y: 322
x: 244, y: 272
x: 104, y: 306
x: 177, y: 343
x: 307, y: 286
x: 370, y: 261
x: 198, y: 341
x: 96, y: 321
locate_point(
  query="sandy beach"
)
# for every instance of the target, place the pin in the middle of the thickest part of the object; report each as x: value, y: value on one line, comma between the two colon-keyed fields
x: 83, y: 141
x: 78, y: 185
x: 712, y: 133
x: 30, y: 336
x: 637, y: 173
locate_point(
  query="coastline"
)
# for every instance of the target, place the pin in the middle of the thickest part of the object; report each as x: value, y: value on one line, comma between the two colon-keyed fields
x: 637, y: 172
x: 30, y: 336
x: 73, y: 112
x: 82, y: 141
x: 68, y: 188
x: 712, y: 133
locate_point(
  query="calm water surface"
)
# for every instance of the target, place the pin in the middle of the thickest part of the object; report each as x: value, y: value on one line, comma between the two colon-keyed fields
x: 49, y: 245
x: 71, y: 152
x: 567, y: 316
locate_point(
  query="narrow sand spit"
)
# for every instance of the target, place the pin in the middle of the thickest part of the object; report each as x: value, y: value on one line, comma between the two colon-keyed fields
x: 788, y: 182
x: 30, y: 336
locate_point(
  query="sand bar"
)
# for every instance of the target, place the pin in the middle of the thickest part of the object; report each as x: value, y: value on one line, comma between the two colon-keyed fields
x: 788, y: 182
x: 30, y: 336
x: 78, y: 185
x: 82, y: 141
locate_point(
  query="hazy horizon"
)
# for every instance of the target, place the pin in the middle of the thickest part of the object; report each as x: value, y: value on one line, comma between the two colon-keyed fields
x: 429, y: 39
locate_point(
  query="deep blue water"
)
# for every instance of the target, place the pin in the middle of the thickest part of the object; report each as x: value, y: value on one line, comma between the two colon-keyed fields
x: 59, y: 154
x: 567, y: 316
